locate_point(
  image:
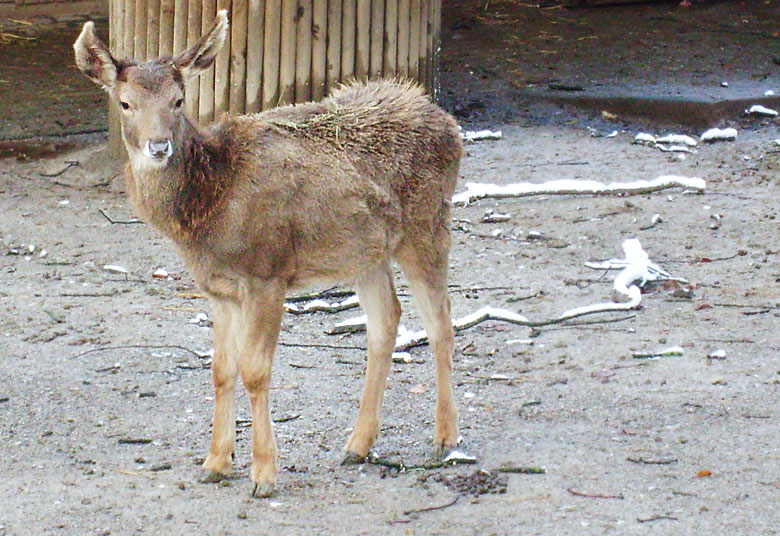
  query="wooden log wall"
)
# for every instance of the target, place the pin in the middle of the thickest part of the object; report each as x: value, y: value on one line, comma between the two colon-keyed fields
x: 280, y: 51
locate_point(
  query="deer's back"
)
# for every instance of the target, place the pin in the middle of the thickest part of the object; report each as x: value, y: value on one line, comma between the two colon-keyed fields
x: 327, y: 188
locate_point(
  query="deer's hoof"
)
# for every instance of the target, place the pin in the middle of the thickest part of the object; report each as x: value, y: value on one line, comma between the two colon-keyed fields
x: 352, y: 458
x: 209, y: 476
x: 262, y: 490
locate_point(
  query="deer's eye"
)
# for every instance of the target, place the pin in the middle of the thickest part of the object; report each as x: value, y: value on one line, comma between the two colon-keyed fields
x: 179, y: 103
x: 124, y: 105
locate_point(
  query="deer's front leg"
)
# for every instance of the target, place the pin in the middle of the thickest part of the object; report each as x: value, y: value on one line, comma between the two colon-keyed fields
x: 224, y: 371
x: 262, y: 309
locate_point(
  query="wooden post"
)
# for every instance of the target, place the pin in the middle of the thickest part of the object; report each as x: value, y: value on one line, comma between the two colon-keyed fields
x: 423, y: 66
x: 271, y: 46
x: 435, y: 48
x: 128, y: 48
x: 414, y: 38
x: 333, y: 71
x: 254, y: 55
x: 152, y: 29
x: 363, y: 40
x: 206, y: 104
x: 139, y: 51
x: 238, y: 39
x: 166, y: 27
x: 403, y: 38
x: 389, y: 55
x: 319, y: 38
x: 192, y: 87
x: 222, y: 70
x: 179, y: 26
x: 349, y: 10
x: 115, y: 45
x: 287, y: 52
x: 377, y: 38
x: 303, y: 51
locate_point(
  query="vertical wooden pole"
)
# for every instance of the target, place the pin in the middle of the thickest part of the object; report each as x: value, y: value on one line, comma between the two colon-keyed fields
x: 348, y: 13
x: 319, y: 37
x: 414, y: 38
x: 389, y: 55
x: 430, y: 46
x: 166, y: 27
x: 287, y: 52
x: 192, y: 87
x: 423, y: 65
x: 115, y: 43
x: 436, y: 48
x: 271, y: 46
x: 128, y: 49
x: 152, y: 29
x: 363, y: 48
x: 222, y: 69
x: 206, y: 104
x: 139, y: 51
x: 333, y: 70
x: 403, y: 38
x: 118, y: 28
x: 254, y: 55
x: 303, y: 52
x: 238, y: 39
x: 377, y: 37
x: 179, y: 26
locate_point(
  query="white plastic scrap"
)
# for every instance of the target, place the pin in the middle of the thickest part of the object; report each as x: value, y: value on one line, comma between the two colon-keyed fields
x: 456, y: 457
x: 673, y: 148
x: 644, y: 138
x: 319, y: 305
x: 678, y: 139
x: 115, y: 269
x: 674, y: 351
x: 636, y: 267
x: 719, y: 134
x: 199, y: 318
x: 757, y: 109
x: 479, y: 135
x: 769, y: 93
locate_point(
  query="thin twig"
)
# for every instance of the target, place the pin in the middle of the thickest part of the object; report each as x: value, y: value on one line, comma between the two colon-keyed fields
x: 666, y: 461
x: 432, y: 508
x: 68, y: 164
x: 593, y: 495
x: 656, y: 518
x: 136, y: 346
x: 119, y: 222
x: 326, y: 346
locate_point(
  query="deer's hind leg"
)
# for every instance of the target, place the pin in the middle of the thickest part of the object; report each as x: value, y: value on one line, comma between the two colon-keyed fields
x: 224, y: 371
x: 423, y: 259
x: 380, y: 303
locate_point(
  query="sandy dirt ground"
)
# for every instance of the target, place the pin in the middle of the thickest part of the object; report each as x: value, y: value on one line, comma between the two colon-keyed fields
x: 106, y: 398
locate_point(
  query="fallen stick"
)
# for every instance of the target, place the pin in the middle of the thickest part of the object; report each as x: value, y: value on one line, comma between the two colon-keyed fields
x: 593, y: 495
x: 576, y: 187
x: 636, y: 267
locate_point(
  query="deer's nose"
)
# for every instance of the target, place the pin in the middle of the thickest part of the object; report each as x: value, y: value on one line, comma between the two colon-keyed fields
x: 159, y: 148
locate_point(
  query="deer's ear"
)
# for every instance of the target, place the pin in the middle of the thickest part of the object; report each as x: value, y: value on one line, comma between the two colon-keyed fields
x: 201, y: 55
x: 93, y: 58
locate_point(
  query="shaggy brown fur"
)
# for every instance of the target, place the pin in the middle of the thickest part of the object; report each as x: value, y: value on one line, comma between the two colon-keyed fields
x: 260, y: 204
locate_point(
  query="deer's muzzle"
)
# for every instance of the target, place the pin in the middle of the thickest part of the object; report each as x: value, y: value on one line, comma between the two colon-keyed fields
x: 158, y: 150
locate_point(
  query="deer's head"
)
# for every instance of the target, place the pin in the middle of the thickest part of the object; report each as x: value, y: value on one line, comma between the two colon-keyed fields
x: 150, y: 94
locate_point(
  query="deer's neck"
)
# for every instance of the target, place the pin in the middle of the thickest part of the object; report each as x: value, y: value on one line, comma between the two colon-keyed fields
x: 185, y: 198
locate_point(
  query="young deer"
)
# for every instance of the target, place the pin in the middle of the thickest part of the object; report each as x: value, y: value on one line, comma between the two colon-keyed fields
x: 260, y: 204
